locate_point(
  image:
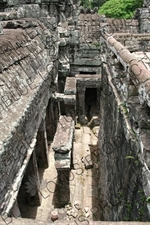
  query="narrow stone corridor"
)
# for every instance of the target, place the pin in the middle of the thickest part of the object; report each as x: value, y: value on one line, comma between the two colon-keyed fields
x: 82, y: 183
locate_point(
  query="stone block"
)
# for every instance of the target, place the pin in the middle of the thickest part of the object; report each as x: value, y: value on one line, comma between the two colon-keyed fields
x: 63, y: 164
x: 63, y: 139
x: 54, y: 215
x: 70, y: 86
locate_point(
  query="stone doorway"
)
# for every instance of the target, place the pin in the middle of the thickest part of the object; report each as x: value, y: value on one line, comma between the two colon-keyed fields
x: 85, y: 72
x: 90, y: 102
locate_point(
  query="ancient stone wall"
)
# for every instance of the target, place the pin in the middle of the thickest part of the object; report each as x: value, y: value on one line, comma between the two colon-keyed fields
x: 143, y: 18
x: 36, y: 58
x: 123, y: 149
x: 121, y: 25
x: 25, y: 91
x: 29, y: 74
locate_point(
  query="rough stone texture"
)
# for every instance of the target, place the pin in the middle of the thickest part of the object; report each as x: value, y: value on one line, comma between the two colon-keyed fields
x: 20, y: 90
x: 88, y: 81
x: 43, y: 45
x: 63, y: 141
x: 122, y: 146
x: 114, y: 25
x: 63, y: 138
x: 28, y: 78
x: 70, y: 86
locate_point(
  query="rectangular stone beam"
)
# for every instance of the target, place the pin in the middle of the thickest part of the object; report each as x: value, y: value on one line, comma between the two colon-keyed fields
x: 63, y: 141
x: 88, y: 80
x: 68, y: 99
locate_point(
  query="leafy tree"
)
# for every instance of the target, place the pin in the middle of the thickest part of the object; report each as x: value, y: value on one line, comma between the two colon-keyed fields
x: 120, y: 8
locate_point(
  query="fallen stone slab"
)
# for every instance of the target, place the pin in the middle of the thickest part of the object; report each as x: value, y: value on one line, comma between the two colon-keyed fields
x: 63, y: 138
x: 63, y: 142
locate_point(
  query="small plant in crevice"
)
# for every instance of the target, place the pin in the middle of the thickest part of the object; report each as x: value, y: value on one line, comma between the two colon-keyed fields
x: 122, y: 107
x: 96, y: 44
x: 120, y: 196
x: 148, y: 199
x: 141, y: 204
x: 128, y: 207
x: 129, y: 157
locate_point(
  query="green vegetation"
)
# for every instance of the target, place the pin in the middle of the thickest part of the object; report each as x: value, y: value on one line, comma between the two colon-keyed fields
x: 124, y: 9
x: 128, y: 208
x: 148, y: 199
x: 123, y: 108
x: 129, y: 157
x: 120, y: 8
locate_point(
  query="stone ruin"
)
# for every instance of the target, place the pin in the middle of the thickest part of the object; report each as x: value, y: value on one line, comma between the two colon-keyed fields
x: 74, y: 115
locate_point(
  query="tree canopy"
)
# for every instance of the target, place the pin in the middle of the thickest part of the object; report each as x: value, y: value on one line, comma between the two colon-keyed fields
x: 120, y: 8
x: 114, y: 8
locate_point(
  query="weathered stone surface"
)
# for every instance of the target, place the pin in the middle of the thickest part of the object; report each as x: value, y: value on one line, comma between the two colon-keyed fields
x: 54, y: 215
x: 70, y: 86
x: 64, y: 135
x: 42, y: 45
x: 88, y: 80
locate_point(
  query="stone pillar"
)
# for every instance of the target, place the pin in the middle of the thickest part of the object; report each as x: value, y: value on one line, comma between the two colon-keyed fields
x: 71, y: 111
x: 51, y: 120
x: 64, y: 190
x: 42, y: 146
x: 1, y: 29
x: 62, y: 17
x: 50, y: 126
x: 81, y: 102
x: 81, y: 106
x: 34, y: 167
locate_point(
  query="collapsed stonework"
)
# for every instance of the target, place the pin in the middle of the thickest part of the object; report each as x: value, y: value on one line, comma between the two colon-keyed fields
x: 76, y: 85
